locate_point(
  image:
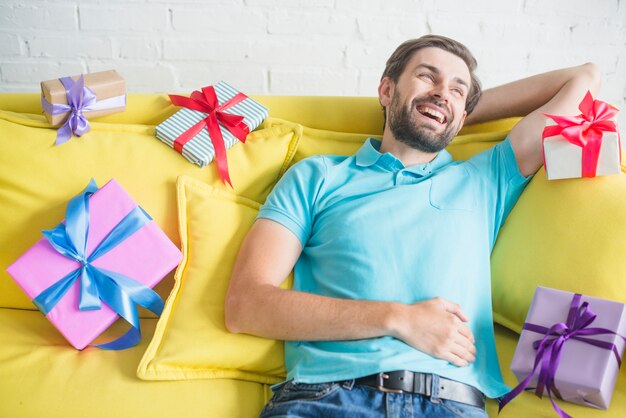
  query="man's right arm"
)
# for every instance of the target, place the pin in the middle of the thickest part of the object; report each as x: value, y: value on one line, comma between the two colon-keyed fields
x: 255, y: 304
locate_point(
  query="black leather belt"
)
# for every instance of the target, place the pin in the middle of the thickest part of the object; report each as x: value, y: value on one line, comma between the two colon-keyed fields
x: 403, y: 381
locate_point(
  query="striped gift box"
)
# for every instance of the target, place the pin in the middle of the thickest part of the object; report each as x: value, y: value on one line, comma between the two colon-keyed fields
x: 200, y: 149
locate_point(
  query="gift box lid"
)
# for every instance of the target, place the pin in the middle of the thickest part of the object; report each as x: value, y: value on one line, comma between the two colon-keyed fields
x: 200, y: 149
x: 146, y: 257
x: 563, y: 159
x: 104, y: 84
x: 586, y: 374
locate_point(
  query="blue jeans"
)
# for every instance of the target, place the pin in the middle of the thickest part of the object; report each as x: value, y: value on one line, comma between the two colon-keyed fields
x: 345, y: 399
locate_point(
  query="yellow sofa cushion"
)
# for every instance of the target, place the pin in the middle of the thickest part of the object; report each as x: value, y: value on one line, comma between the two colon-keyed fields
x: 79, y: 382
x: 191, y: 340
x: 37, y: 178
x: 43, y: 376
x: 563, y: 234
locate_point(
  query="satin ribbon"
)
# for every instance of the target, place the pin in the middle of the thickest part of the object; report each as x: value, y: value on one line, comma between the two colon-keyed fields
x: 121, y: 293
x: 79, y: 99
x: 207, y: 102
x: 549, y: 348
x: 585, y: 130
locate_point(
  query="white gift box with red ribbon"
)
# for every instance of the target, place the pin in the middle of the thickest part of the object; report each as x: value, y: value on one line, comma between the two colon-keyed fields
x: 587, y: 145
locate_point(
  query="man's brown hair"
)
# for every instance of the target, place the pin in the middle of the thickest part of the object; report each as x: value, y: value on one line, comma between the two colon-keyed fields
x: 403, y: 54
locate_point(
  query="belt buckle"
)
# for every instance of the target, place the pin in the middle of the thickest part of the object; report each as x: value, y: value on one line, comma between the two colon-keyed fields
x: 380, y: 380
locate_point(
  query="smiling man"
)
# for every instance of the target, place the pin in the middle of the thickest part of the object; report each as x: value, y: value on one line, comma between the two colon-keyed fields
x: 390, y: 314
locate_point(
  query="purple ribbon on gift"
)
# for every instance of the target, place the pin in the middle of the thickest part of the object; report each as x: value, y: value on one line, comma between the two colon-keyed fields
x: 79, y: 99
x: 549, y: 348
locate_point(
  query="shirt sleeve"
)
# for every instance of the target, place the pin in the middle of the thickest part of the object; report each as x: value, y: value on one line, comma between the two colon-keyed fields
x: 502, y: 179
x: 292, y: 201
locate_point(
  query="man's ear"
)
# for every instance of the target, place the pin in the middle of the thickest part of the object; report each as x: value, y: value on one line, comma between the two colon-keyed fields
x: 385, y: 91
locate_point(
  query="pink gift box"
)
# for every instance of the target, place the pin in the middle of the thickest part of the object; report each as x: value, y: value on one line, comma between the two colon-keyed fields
x: 146, y: 256
x: 586, y: 374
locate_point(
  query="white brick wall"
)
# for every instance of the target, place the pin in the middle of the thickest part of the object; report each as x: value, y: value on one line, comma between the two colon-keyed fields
x: 330, y: 47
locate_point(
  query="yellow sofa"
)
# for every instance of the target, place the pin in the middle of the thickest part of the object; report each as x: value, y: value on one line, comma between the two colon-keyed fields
x: 42, y: 375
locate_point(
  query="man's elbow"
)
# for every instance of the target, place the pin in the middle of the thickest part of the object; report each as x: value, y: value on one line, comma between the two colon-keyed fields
x: 233, y: 314
x: 592, y: 76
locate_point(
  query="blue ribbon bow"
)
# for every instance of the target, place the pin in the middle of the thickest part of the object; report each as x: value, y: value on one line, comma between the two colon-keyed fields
x: 121, y: 293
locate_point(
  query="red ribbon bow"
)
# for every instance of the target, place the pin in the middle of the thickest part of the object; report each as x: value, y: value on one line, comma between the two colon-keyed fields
x: 207, y: 102
x: 585, y: 130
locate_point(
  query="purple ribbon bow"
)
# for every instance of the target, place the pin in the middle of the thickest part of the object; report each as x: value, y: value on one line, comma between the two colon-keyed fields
x: 549, y: 348
x: 79, y: 98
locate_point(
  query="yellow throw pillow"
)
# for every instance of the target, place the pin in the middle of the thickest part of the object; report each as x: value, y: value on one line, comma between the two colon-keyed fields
x: 191, y: 340
x: 37, y: 178
x: 563, y: 234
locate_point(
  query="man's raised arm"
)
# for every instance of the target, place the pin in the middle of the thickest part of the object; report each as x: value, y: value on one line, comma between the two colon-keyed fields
x: 556, y: 92
x: 255, y: 304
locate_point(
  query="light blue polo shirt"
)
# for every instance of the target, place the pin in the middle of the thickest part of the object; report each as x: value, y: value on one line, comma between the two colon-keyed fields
x: 372, y: 229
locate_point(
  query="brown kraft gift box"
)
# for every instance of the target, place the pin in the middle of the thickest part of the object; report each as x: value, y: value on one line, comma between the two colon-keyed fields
x: 104, y: 84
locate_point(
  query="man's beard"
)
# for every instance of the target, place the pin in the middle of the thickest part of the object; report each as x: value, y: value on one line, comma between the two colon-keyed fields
x: 407, y: 129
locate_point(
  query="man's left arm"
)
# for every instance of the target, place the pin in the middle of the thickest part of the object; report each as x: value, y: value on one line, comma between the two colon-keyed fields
x: 556, y: 92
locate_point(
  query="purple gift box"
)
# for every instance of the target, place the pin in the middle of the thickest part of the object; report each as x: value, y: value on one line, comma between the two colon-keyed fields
x: 589, y: 332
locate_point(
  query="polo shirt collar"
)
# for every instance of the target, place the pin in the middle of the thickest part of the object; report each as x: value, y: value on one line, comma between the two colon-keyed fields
x: 369, y: 155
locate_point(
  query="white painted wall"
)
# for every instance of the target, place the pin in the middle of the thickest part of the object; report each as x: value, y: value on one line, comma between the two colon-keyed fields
x: 301, y: 47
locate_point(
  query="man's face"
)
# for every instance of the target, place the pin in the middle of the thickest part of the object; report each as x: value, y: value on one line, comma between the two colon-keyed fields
x: 427, y: 104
